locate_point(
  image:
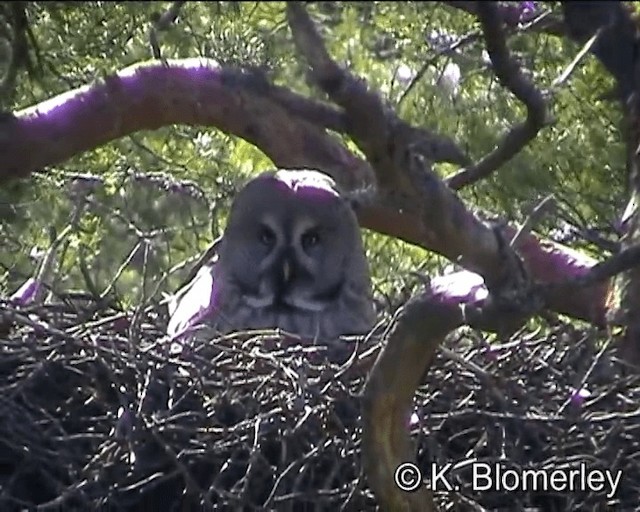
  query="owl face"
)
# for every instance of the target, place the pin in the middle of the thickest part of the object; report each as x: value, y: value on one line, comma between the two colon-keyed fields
x: 292, y: 257
x: 289, y: 242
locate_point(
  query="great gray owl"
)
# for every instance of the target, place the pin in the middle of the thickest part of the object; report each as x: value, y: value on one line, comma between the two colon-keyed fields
x: 291, y: 257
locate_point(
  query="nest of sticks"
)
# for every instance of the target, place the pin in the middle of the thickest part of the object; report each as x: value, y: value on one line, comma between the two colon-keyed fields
x: 98, y: 410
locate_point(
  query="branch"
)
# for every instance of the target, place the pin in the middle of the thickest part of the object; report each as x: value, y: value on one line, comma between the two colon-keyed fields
x: 201, y: 93
x: 564, y: 76
x: 419, y: 328
x: 510, y: 76
x: 371, y: 125
x: 625, y: 260
x: 451, y: 49
x: 196, y: 92
x: 521, y: 22
x: 541, y: 209
x: 315, y: 112
x: 381, y: 136
x: 19, y: 49
x: 404, y: 180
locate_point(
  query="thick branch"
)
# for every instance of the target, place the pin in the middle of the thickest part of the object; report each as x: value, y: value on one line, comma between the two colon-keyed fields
x: 368, y: 119
x: 419, y: 329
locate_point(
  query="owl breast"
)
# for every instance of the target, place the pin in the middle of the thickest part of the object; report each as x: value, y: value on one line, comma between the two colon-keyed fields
x: 351, y: 312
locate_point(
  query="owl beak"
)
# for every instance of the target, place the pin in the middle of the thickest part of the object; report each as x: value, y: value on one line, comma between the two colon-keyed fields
x: 286, y: 270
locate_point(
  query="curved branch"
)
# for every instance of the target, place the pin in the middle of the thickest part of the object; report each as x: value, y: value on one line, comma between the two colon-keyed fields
x: 508, y: 72
x: 419, y: 329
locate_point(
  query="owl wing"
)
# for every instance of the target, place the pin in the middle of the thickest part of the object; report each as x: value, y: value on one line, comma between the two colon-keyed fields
x: 195, y: 301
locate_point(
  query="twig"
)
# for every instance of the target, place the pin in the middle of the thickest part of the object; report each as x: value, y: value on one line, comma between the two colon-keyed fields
x: 541, y: 209
x: 588, y: 373
x: 576, y: 60
x: 467, y: 38
x: 123, y: 266
x: 45, y: 271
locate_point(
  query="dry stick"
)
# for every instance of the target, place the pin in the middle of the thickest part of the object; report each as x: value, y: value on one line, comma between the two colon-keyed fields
x: 574, y: 63
x: 542, y: 208
x: 46, y: 267
x: 510, y: 76
x: 588, y: 373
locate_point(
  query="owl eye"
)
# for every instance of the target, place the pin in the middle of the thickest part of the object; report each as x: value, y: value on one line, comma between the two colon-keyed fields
x: 266, y: 236
x: 310, y: 239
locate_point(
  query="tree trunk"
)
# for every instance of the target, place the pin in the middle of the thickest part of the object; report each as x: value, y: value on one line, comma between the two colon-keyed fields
x: 617, y: 49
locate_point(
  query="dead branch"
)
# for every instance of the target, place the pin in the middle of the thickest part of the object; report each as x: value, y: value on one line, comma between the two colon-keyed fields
x: 510, y: 76
x: 564, y: 76
x: 540, y: 210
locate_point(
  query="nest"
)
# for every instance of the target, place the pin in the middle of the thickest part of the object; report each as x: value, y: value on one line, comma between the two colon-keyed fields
x: 99, y: 411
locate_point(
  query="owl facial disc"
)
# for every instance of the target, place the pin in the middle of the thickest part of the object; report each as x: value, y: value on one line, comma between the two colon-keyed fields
x: 291, y: 257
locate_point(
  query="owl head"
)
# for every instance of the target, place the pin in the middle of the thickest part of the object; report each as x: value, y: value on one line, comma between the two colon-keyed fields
x: 292, y: 257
